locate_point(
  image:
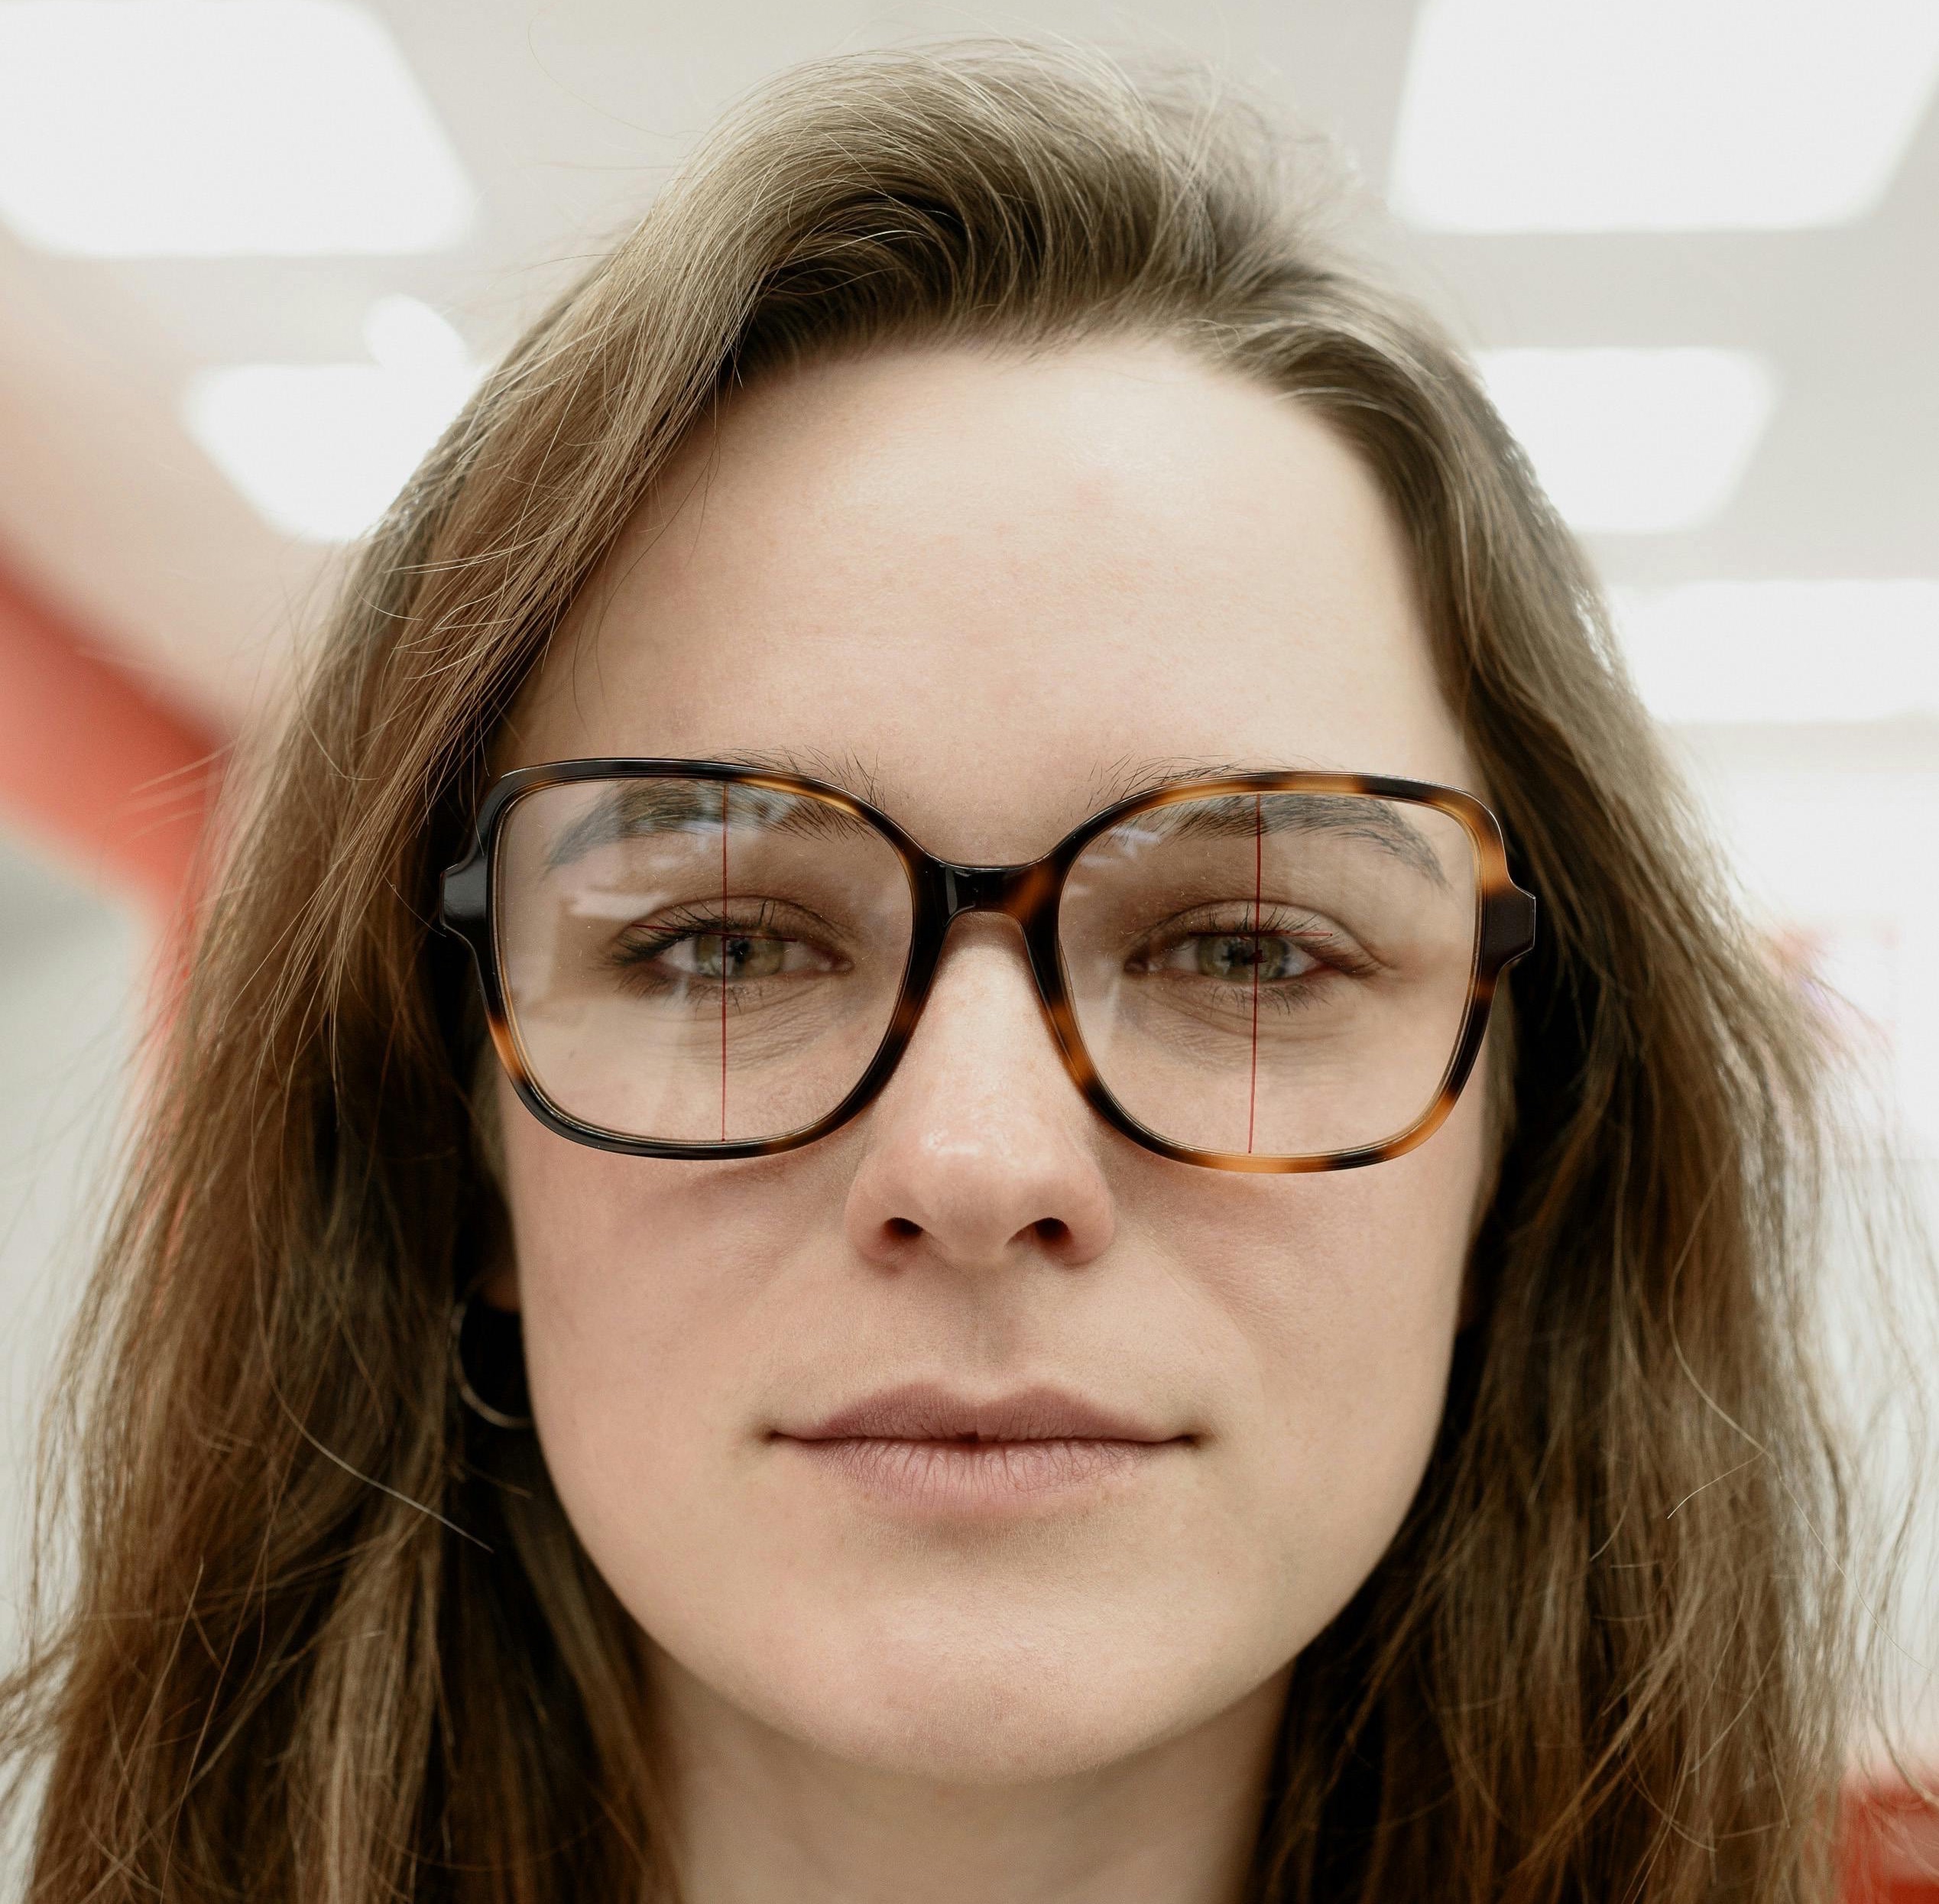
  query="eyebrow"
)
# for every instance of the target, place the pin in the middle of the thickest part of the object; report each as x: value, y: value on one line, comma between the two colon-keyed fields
x: 635, y: 808
x: 1350, y: 815
x: 1354, y: 815
x: 632, y: 808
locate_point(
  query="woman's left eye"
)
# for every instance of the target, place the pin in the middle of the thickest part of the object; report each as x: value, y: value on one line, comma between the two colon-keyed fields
x: 1237, y: 957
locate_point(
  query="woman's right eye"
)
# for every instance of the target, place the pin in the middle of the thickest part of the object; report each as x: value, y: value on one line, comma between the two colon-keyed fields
x: 718, y: 952
x: 730, y: 957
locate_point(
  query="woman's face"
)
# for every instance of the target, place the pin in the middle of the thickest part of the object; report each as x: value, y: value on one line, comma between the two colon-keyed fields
x: 983, y: 590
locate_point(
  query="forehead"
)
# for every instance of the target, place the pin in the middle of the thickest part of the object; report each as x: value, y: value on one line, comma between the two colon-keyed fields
x: 989, y: 590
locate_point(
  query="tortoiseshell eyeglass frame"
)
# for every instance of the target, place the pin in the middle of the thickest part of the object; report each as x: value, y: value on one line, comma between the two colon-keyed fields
x: 941, y: 891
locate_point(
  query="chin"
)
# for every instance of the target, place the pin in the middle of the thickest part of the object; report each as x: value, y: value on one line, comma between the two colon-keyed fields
x: 976, y: 1707
x: 987, y: 1733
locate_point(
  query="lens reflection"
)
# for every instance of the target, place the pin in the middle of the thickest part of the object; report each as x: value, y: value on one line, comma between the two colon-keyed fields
x: 1275, y: 975
x: 697, y: 961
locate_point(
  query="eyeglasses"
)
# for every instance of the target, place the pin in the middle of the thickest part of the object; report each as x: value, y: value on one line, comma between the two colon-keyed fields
x: 1275, y: 972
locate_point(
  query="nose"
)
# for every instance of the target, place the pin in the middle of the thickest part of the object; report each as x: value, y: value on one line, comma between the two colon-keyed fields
x: 980, y: 1149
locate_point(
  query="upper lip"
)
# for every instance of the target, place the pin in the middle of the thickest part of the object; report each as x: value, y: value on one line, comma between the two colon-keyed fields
x: 927, y: 1411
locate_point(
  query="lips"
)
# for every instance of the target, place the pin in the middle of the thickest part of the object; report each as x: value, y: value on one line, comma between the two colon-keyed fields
x: 927, y: 1411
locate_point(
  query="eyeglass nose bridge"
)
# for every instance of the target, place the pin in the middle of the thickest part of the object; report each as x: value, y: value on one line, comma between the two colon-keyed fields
x: 1020, y: 892
x: 1025, y: 893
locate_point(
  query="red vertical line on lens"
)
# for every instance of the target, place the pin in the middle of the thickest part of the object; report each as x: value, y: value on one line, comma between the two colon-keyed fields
x: 1258, y: 888
x: 723, y: 957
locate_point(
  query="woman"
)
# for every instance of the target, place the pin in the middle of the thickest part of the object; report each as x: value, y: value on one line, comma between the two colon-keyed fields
x: 826, y: 1369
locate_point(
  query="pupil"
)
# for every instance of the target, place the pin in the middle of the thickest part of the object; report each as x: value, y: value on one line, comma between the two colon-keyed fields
x: 1238, y: 954
x: 735, y: 956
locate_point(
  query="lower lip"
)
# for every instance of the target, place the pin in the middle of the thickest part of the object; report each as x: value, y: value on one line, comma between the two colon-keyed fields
x: 968, y: 1477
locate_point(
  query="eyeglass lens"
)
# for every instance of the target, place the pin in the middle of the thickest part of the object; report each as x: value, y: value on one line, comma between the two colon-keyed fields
x: 698, y: 961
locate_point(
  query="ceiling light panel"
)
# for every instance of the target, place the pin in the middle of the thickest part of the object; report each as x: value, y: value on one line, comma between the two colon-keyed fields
x: 1789, y: 651
x: 1603, y: 115
x: 322, y: 450
x: 1634, y: 442
x: 133, y: 128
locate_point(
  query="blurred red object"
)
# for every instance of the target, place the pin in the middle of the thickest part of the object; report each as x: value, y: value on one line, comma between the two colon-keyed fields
x: 1890, y: 1838
x: 111, y: 779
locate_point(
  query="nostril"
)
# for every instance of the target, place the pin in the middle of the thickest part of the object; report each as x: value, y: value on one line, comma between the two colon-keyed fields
x: 901, y: 1229
x: 1052, y: 1232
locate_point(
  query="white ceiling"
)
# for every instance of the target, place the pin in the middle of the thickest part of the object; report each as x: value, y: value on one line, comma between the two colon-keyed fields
x: 569, y: 115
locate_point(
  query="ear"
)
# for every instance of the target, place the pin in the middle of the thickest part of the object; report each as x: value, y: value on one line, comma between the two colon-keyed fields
x: 1497, y: 1078
x: 498, y: 1288
x: 1471, y: 1308
x: 497, y: 1285
x: 494, y: 1280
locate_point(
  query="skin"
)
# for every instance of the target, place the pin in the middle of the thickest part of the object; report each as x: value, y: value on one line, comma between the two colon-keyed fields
x: 988, y: 580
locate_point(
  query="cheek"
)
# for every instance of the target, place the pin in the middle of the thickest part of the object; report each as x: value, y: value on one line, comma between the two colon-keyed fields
x: 635, y: 1281
x: 1338, y: 1297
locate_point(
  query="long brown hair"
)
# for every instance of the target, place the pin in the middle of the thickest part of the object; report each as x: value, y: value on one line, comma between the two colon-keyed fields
x: 331, y: 1639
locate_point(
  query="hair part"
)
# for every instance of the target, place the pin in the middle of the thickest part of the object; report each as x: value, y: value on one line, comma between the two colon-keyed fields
x: 333, y: 1641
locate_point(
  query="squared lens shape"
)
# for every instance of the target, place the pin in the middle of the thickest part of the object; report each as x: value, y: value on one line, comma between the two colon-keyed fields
x: 696, y: 960
x: 1274, y: 975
